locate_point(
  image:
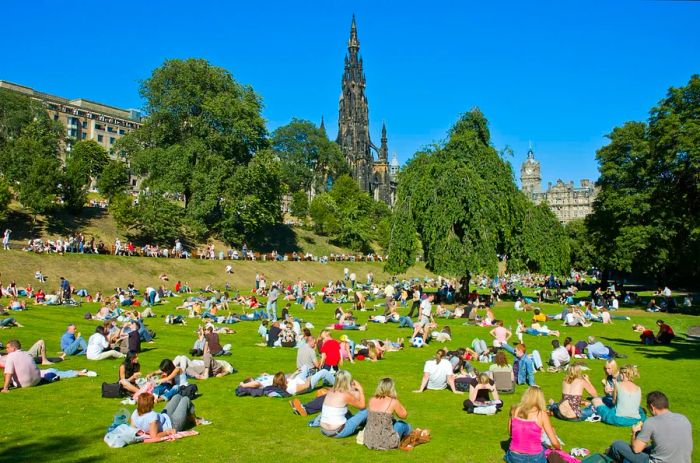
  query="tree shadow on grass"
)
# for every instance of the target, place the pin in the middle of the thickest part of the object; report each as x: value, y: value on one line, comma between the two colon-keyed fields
x: 56, y: 447
x: 679, y: 349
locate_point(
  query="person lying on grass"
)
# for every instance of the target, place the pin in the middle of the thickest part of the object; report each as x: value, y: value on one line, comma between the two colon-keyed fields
x: 37, y: 351
x: 177, y: 415
x: 298, y: 382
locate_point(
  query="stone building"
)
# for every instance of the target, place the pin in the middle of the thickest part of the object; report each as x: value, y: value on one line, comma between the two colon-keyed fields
x: 84, y: 119
x: 376, y: 177
x: 568, y: 202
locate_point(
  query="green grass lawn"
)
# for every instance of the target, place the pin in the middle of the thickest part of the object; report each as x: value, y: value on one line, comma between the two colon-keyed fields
x: 66, y: 421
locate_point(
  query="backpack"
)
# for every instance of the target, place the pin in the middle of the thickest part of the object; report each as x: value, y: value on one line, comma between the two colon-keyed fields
x: 111, y: 390
x: 188, y: 391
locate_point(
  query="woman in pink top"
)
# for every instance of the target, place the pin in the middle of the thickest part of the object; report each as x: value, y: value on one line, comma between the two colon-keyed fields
x: 527, y: 420
x: 500, y: 334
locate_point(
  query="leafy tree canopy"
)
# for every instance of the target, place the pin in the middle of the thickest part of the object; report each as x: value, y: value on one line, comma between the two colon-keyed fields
x: 645, y: 217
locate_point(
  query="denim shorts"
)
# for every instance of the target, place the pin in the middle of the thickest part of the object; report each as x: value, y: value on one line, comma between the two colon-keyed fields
x: 515, y: 457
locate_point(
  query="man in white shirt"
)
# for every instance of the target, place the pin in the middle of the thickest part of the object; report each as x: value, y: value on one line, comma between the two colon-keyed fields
x: 518, y: 305
x: 438, y: 374
x: 560, y: 356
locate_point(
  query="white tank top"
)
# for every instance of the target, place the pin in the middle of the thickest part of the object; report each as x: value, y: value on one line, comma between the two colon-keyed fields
x: 333, y: 417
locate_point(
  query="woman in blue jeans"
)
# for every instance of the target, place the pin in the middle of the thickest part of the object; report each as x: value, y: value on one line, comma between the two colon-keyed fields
x: 335, y: 419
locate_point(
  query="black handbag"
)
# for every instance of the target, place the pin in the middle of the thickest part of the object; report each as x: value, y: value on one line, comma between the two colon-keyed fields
x: 111, y: 390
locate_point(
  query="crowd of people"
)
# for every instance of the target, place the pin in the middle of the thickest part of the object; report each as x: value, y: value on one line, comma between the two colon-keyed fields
x: 479, y: 371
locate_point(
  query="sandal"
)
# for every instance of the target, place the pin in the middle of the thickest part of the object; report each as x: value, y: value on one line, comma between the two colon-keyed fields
x: 424, y: 436
x: 408, y: 442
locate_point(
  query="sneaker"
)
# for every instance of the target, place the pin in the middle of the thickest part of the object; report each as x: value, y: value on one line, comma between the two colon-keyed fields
x: 91, y: 374
x: 298, y: 408
x: 203, y: 422
x: 593, y: 418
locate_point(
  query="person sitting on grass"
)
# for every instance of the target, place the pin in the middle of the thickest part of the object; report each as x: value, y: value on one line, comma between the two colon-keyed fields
x: 480, y: 395
x: 500, y: 363
x: 647, y: 336
x: 575, y: 382
x: 129, y: 372
x: 21, y: 370
x: 627, y: 397
x: 559, y: 357
x: 666, y: 333
x: 671, y: 434
x: 525, y: 364
x: 382, y: 431
x: 177, y: 415
x: 98, y: 346
x: 612, y: 376
x: 171, y: 378
x: 37, y: 351
x: 335, y: 420
x: 72, y: 343
x: 438, y: 374
x: 528, y: 423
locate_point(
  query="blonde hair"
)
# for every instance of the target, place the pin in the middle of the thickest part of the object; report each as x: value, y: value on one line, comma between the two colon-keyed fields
x: 343, y: 380
x: 629, y: 372
x: 612, y: 363
x: 533, y: 399
x: 484, y: 378
x: 385, y: 388
x: 574, y: 372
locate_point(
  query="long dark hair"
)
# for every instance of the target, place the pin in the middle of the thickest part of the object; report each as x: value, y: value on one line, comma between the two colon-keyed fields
x: 166, y: 366
x: 129, y: 367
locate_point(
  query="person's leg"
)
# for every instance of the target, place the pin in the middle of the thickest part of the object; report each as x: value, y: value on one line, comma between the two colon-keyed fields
x: 7, y: 322
x: 622, y: 452
x: 73, y: 348
x: 110, y: 354
x: 180, y: 410
x: 352, y: 424
x: 536, y: 359
x: 63, y: 374
x: 322, y: 376
x: 315, y: 405
x: 402, y: 428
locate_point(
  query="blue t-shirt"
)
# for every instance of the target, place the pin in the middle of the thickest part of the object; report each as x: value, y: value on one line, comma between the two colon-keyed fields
x: 143, y: 422
x: 66, y: 340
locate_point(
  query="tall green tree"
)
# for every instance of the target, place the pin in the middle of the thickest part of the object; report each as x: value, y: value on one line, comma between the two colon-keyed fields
x: 461, y: 202
x: 542, y: 245
x: 300, y: 204
x: 252, y: 201
x: 5, y: 196
x: 114, y: 178
x: 645, y: 216
x: 307, y: 156
x: 84, y: 162
x: 583, y: 253
x: 202, y: 126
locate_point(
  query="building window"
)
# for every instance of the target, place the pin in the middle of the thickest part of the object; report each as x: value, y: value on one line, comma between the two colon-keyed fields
x: 55, y: 117
x: 112, y: 140
x: 100, y: 138
x: 85, y: 124
x: 84, y: 135
x: 99, y: 127
x: 121, y: 132
x: 110, y: 129
x: 73, y: 133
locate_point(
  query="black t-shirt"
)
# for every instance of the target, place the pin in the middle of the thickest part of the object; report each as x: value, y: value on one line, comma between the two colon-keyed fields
x: 134, y: 341
x: 273, y: 335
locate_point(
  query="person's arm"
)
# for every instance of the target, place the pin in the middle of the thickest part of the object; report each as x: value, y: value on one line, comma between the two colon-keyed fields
x: 588, y: 386
x: 547, y: 426
x: 424, y: 382
x: 400, y: 410
x: 6, y: 386
x: 509, y: 334
x: 356, y: 398
x: 495, y: 392
x: 473, y: 390
x: 172, y: 375
x: 492, y: 332
x: 451, y: 383
x: 637, y: 444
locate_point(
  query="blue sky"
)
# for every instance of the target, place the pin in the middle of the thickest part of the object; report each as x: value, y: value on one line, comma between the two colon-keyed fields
x: 561, y: 74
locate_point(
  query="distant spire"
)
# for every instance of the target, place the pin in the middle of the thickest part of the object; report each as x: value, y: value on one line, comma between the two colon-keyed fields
x: 322, y: 127
x: 353, y: 42
x: 530, y: 152
x: 384, y: 148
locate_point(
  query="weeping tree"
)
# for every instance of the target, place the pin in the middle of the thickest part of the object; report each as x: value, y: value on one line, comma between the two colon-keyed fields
x: 460, y: 202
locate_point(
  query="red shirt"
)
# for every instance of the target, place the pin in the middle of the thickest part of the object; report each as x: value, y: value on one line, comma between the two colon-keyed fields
x: 331, y: 348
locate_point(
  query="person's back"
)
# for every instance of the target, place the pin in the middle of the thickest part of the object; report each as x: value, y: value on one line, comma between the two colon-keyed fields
x: 526, y: 433
x: 672, y: 436
x: 21, y: 367
x: 629, y: 397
